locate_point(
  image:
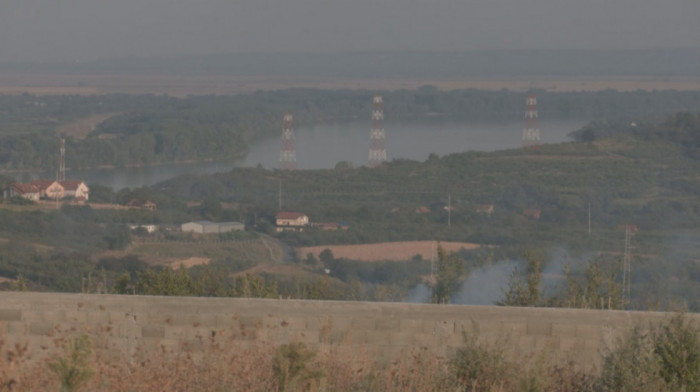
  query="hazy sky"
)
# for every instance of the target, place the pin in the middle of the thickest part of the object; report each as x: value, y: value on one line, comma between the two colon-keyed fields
x: 83, y: 30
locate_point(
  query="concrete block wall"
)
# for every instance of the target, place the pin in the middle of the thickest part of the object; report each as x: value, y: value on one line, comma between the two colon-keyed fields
x: 127, y: 326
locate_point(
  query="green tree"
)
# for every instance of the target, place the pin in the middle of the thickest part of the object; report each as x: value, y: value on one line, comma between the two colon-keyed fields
x: 677, y: 348
x: 450, y: 271
x: 525, y: 291
x: 326, y: 257
x: 167, y: 282
x: 253, y: 286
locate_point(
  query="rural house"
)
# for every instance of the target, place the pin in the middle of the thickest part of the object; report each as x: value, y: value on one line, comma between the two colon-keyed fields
x: 422, y: 210
x: 76, y: 189
x: 291, y: 221
x: 49, y: 189
x: 26, y: 191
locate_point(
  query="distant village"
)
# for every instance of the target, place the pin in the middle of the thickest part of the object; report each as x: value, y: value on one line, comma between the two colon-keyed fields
x: 49, y: 189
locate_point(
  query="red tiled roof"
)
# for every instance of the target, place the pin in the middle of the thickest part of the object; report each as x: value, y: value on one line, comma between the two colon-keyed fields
x: 24, y: 188
x: 43, y: 184
x: 290, y: 215
x: 70, y: 185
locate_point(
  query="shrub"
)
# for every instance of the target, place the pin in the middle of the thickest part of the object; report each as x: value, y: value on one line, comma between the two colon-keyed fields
x: 73, y: 369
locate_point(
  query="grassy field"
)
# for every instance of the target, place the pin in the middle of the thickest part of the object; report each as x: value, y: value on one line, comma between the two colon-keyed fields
x: 239, y: 254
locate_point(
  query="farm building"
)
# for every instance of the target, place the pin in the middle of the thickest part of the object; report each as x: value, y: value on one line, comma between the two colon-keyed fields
x: 76, y: 189
x: 27, y: 191
x: 207, y: 227
x: 291, y: 221
x: 49, y: 189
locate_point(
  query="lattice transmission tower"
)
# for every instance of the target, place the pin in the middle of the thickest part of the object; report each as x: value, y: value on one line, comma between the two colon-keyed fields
x: 377, y: 136
x: 531, y: 131
x: 288, y: 153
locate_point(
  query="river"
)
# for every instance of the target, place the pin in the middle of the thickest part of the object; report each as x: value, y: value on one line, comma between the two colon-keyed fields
x: 323, y: 146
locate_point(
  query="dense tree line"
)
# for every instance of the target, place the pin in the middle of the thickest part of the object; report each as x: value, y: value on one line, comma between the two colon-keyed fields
x: 151, y: 129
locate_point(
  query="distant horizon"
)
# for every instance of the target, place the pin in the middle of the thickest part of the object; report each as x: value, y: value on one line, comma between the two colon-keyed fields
x: 348, y: 52
x: 44, y: 31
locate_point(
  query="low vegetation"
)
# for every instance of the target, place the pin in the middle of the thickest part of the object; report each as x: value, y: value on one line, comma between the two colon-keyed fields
x: 650, y: 358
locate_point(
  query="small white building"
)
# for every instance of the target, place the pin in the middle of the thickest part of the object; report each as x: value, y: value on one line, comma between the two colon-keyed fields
x: 207, y: 227
x: 291, y: 221
x: 149, y: 228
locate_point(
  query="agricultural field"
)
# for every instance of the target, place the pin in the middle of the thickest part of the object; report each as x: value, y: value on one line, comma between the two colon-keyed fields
x: 388, y: 251
x: 174, y: 253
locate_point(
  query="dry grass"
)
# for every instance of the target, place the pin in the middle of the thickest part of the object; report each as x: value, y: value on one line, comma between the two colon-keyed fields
x: 228, y: 363
x: 387, y: 251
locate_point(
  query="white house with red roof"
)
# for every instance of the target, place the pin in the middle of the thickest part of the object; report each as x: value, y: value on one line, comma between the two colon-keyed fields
x: 26, y: 191
x: 291, y: 221
x: 49, y: 189
x: 76, y: 189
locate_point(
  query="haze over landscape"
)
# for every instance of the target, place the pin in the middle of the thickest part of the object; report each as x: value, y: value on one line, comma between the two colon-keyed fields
x: 526, y: 153
x: 88, y: 30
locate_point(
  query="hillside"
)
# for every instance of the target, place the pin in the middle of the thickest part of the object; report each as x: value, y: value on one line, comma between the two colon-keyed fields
x: 542, y: 197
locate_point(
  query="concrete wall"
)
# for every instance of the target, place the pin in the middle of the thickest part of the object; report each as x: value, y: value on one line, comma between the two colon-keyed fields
x: 127, y: 325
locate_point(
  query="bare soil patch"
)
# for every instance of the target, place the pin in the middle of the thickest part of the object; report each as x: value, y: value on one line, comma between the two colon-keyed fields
x: 190, y: 262
x: 6, y: 280
x: 388, y: 251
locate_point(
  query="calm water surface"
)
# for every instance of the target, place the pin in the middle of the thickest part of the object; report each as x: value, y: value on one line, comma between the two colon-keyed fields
x: 323, y: 146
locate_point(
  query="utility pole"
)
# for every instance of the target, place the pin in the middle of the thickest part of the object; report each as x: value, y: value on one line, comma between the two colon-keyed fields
x: 432, y: 260
x: 589, y: 218
x: 627, y: 264
x: 449, y: 209
x: 279, y: 197
x: 62, y: 163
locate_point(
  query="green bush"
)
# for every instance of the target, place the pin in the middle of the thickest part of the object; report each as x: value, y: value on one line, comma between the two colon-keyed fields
x: 73, y: 369
x: 665, y: 358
